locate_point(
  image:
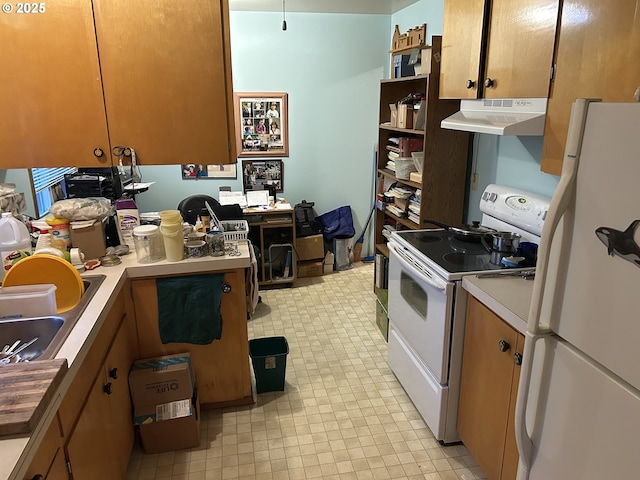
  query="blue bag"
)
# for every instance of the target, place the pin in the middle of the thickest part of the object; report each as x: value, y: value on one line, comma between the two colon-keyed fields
x: 337, y: 223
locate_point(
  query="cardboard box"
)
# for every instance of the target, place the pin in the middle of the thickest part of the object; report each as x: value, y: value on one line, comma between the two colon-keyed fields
x: 171, y: 426
x: 89, y: 237
x: 310, y: 248
x: 161, y: 380
x: 310, y: 268
x: 327, y: 263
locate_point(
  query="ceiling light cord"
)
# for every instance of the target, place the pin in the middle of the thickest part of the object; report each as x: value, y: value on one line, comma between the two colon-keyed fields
x: 284, y: 22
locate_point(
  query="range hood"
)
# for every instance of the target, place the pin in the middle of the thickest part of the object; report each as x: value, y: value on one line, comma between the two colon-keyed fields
x: 506, y: 116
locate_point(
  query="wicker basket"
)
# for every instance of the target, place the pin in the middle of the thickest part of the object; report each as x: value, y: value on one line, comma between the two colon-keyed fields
x: 235, y: 229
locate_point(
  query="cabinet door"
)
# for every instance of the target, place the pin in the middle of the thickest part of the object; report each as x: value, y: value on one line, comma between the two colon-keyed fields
x: 58, y: 469
x: 51, y: 104
x: 520, y: 48
x: 514, y: 41
x: 596, y: 57
x: 511, y: 455
x: 120, y: 425
x: 166, y: 73
x: 44, y: 457
x: 222, y: 367
x: 88, y: 446
x: 485, y: 387
x: 462, y: 47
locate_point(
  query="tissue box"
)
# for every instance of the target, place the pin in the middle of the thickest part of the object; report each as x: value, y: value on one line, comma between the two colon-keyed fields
x: 14, y: 203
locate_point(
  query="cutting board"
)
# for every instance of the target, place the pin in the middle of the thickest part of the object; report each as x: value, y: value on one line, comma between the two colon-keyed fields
x: 25, y: 391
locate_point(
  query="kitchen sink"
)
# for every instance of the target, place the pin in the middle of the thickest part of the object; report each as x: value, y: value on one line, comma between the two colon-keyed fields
x: 51, y: 330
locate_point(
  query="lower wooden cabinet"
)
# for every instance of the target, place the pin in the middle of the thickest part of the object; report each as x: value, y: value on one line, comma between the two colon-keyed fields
x: 44, y: 464
x: 488, y: 390
x: 95, y: 414
x: 222, y: 367
x: 100, y: 444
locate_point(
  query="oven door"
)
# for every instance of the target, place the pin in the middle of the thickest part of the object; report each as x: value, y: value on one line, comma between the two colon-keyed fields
x: 421, y: 309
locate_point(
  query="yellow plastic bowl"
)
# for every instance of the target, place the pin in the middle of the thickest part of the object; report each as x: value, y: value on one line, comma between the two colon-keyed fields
x: 44, y: 268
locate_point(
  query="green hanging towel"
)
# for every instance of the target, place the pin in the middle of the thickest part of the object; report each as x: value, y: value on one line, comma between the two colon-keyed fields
x: 189, y: 308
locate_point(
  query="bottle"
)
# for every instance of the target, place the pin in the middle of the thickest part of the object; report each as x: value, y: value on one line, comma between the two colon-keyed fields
x: 15, y: 241
x: 128, y: 218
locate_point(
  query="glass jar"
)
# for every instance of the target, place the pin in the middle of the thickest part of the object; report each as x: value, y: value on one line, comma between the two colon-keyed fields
x: 215, y: 242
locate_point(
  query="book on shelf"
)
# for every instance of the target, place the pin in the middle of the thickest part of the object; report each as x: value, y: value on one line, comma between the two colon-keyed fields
x: 403, y: 146
x: 398, y: 212
x: 413, y: 217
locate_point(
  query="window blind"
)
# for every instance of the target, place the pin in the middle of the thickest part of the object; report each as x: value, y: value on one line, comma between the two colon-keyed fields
x: 47, y: 177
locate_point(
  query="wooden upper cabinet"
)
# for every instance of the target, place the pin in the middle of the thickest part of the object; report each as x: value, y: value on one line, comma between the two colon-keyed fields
x: 462, y: 48
x: 166, y: 73
x: 51, y: 104
x: 508, y: 44
x: 151, y: 75
x: 596, y: 57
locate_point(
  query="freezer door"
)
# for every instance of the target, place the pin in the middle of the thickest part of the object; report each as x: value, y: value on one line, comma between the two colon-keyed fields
x: 591, y: 298
x: 584, y: 423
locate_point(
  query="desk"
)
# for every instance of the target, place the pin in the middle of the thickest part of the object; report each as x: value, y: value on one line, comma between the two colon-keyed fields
x: 273, y: 231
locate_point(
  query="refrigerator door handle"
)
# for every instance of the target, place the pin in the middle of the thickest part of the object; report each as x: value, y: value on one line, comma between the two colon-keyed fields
x: 559, y: 204
x: 523, y: 441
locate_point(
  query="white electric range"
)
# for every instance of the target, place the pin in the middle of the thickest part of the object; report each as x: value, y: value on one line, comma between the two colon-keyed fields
x: 426, y: 313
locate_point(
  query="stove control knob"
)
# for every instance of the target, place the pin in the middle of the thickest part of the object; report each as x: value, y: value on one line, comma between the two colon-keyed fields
x: 493, y: 197
x: 503, y: 345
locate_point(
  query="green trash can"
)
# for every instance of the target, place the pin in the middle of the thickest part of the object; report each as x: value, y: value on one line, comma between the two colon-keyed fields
x: 269, y: 359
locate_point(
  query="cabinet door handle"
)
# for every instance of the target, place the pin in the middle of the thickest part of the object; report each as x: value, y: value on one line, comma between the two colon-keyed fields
x: 503, y: 345
x: 517, y: 358
x: 107, y: 388
x: 37, y: 477
x: 489, y: 82
x: 470, y: 84
x: 98, y: 152
x: 113, y: 373
x: 226, y: 288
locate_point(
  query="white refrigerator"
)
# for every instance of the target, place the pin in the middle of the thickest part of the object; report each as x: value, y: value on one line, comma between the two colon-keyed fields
x: 578, y: 406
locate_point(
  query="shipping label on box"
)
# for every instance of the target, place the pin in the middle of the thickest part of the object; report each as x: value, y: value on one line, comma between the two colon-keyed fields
x: 161, y: 380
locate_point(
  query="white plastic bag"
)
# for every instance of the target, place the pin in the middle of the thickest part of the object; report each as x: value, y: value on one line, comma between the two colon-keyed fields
x: 81, y: 208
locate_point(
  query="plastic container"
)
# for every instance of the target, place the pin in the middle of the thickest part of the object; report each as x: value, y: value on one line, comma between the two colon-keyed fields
x: 15, y: 241
x: 128, y: 218
x: 60, y: 233
x: 269, y: 359
x: 26, y: 301
x: 148, y: 243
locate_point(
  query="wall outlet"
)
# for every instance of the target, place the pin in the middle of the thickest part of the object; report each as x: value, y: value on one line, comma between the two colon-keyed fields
x: 474, y: 181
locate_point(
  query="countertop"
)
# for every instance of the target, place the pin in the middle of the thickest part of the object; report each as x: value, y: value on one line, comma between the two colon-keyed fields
x: 509, y: 297
x: 17, y: 451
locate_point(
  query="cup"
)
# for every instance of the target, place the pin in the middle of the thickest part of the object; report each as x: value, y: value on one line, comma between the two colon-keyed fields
x: 529, y: 251
x: 196, y: 248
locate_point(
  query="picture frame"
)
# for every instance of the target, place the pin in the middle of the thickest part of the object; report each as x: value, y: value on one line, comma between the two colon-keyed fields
x: 195, y: 171
x: 262, y: 124
x: 263, y: 174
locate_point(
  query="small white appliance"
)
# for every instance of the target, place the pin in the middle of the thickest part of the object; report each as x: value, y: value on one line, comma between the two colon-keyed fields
x: 578, y: 406
x: 426, y: 313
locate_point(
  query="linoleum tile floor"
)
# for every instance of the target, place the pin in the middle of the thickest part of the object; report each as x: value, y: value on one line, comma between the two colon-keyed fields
x: 343, y: 414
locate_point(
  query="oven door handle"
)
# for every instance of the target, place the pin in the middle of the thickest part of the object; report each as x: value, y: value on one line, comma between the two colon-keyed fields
x: 411, y: 263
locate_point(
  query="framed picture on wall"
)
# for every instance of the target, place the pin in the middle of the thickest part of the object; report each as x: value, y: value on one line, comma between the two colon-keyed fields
x: 263, y: 174
x: 261, y: 124
x: 198, y: 170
